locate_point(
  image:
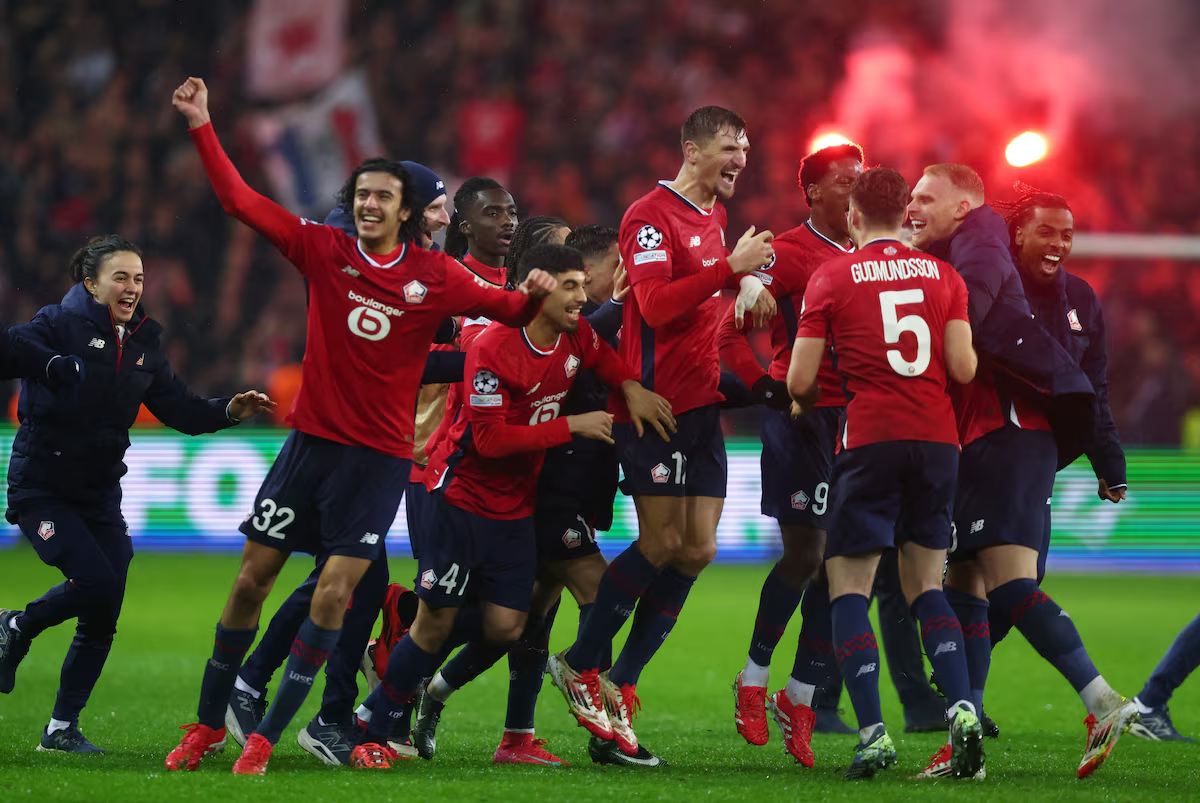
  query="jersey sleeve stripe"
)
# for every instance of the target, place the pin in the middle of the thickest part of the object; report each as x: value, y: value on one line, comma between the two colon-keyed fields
x: 647, y: 356
x: 787, y: 308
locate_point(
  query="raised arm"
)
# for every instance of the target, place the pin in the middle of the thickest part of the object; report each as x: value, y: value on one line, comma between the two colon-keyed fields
x: 472, y: 297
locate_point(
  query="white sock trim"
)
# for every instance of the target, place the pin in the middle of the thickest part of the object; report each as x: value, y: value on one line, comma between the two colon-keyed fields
x: 800, y: 693
x: 755, y: 675
x: 1100, y: 698
x: 57, y: 725
x: 964, y: 704
x: 242, y: 685
x: 13, y: 623
x: 519, y: 730
x: 363, y: 713
x: 439, y: 689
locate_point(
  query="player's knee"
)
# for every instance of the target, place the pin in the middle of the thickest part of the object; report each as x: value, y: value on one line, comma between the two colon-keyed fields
x: 503, y: 634
x: 249, y: 588
x: 661, y: 547
x: 696, y: 556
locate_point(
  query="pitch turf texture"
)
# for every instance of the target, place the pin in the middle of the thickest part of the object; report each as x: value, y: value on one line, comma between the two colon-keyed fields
x: 151, y: 683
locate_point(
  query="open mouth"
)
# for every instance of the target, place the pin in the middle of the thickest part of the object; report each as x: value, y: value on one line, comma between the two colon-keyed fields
x: 370, y: 220
x: 1050, y: 263
x: 917, y: 224
x: 126, y: 305
x: 729, y: 176
x: 505, y: 238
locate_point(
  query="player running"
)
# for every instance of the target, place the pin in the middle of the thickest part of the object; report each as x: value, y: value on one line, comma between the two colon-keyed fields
x: 797, y: 454
x: 64, y: 488
x: 482, y: 478
x: 334, y: 489
x: 673, y: 246
x: 1009, y: 458
x: 898, y: 323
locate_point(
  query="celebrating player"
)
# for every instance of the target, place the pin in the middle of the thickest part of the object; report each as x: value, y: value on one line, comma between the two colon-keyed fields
x: 64, y: 486
x: 374, y: 305
x: 673, y: 245
x: 797, y: 455
x: 483, y: 475
x: 899, y: 322
x: 1009, y: 458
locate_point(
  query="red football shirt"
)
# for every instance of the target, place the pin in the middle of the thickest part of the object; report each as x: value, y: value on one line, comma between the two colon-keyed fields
x: 371, y: 318
x: 798, y: 254
x: 490, y: 461
x: 665, y: 238
x: 885, y: 309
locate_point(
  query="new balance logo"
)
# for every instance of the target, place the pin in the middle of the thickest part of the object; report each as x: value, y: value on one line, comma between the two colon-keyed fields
x: 865, y: 669
x: 977, y: 526
x: 945, y: 646
x: 351, y: 271
x: 370, y: 538
x: 694, y: 242
x: 96, y: 343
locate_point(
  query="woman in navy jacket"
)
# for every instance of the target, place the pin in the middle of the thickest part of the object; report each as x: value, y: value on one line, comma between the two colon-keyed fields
x: 67, y: 461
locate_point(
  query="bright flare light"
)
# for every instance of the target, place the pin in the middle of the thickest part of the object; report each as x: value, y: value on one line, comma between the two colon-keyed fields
x: 826, y: 140
x: 1025, y: 149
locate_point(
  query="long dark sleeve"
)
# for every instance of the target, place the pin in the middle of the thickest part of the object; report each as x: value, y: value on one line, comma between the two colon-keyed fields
x: 174, y: 404
x: 22, y: 357
x: 607, y: 319
x: 1103, y: 448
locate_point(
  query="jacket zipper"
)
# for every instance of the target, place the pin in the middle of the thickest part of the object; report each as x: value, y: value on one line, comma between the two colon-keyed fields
x: 120, y: 341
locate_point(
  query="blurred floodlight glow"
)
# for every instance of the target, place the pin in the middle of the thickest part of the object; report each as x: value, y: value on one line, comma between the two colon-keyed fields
x: 827, y: 139
x: 1026, y: 148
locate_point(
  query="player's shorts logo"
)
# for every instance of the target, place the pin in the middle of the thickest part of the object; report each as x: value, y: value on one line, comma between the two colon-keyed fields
x: 414, y: 292
x: 369, y: 323
x: 428, y: 578
x: 485, y: 382
x: 572, y: 539
x: 46, y: 530
x: 649, y: 237
x: 571, y: 365
x: 800, y: 500
x: 660, y: 474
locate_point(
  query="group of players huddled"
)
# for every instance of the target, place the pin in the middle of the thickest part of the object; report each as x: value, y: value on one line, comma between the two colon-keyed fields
x: 933, y: 367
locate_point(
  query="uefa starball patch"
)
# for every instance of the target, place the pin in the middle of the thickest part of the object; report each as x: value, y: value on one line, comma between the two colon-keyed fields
x: 485, y: 382
x: 649, y: 237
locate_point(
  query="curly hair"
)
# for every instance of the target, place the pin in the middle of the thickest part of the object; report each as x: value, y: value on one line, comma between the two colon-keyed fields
x: 530, y: 232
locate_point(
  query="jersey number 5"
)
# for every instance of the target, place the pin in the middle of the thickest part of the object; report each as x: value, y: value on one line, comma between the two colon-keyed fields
x: 893, y: 327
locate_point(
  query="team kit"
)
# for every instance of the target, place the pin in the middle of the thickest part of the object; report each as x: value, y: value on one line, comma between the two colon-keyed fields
x: 916, y: 407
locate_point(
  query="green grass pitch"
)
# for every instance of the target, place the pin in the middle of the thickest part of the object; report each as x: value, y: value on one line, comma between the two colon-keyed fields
x: 151, y: 683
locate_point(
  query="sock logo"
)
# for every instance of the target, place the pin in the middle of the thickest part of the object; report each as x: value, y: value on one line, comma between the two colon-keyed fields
x: 945, y: 646
x: 865, y: 669
x: 296, y: 676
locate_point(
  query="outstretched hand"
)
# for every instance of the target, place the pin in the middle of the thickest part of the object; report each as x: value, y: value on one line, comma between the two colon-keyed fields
x: 250, y: 403
x: 191, y: 98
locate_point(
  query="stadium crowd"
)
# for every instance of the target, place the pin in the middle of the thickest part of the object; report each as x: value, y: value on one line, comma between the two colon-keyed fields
x: 575, y: 97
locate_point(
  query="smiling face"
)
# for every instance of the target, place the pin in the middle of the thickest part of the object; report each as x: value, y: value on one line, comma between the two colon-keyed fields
x: 118, y: 285
x: 936, y: 209
x: 377, y: 209
x: 719, y: 161
x: 563, y: 306
x: 489, y: 223
x: 832, y: 193
x: 436, y: 216
x: 1044, y: 243
x: 602, y: 274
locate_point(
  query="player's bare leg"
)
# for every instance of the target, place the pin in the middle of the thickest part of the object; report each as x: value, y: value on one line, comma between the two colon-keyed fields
x: 1010, y: 574
x: 803, y: 550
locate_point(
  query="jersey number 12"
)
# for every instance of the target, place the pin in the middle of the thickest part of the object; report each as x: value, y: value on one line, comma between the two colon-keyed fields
x: 894, y: 326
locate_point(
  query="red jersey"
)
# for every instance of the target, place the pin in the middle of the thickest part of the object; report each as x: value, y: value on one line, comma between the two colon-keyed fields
x: 371, y: 318
x: 490, y: 461
x: 885, y: 309
x: 798, y: 254
x: 674, y: 252
x: 980, y: 408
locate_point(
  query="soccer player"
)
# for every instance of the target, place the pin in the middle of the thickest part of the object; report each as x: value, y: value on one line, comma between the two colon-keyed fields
x: 1009, y: 458
x: 482, y: 478
x: 574, y: 498
x: 797, y: 454
x: 673, y: 246
x: 374, y: 305
x: 64, y: 489
x: 898, y: 321
x: 331, y: 733
x: 482, y: 227
x: 1181, y: 660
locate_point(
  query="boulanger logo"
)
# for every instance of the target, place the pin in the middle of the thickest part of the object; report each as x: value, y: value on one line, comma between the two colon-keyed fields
x: 371, y: 320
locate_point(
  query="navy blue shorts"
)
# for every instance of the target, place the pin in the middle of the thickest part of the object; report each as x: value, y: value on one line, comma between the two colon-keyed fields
x: 692, y: 463
x: 417, y: 507
x: 1005, y: 480
x: 495, y: 558
x: 563, y: 534
x: 797, y: 462
x: 887, y: 493
x: 327, y: 498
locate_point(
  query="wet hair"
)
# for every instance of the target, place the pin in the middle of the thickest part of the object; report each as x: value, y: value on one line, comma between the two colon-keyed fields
x: 410, y: 230
x: 554, y: 259
x: 881, y: 195
x: 815, y: 166
x: 87, y: 261
x: 707, y: 122
x: 1020, y: 211
x: 468, y: 194
x: 961, y: 176
x: 530, y: 232
x: 592, y: 240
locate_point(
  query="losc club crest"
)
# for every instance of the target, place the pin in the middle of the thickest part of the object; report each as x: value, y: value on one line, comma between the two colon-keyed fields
x: 414, y: 292
x: 890, y: 251
x: 46, y: 530
x: 649, y: 237
x: 800, y: 500
x: 571, y: 366
x: 572, y: 538
x: 660, y: 474
x: 428, y: 578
